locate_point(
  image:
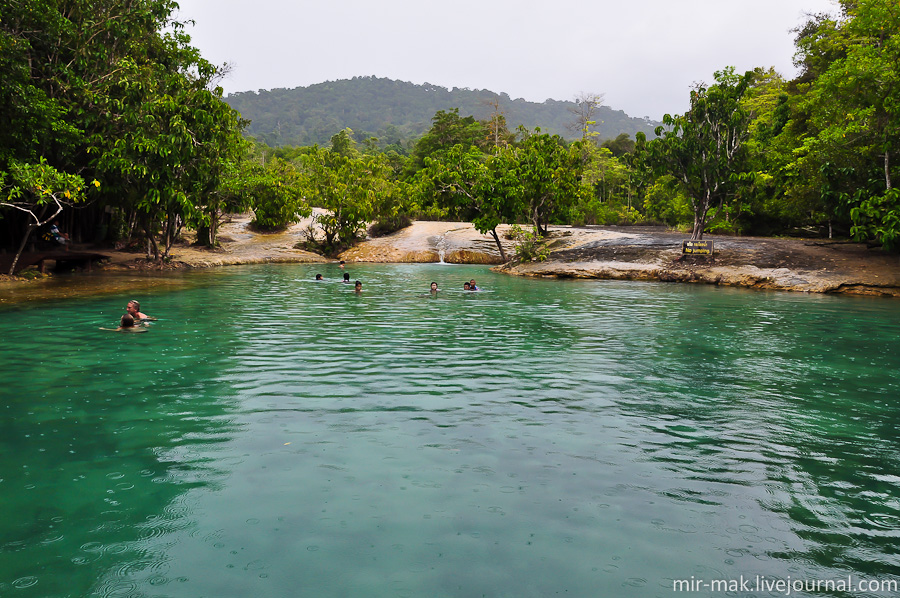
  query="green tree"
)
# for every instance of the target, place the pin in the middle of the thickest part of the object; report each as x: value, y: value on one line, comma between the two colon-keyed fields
x: 476, y: 187
x: 703, y: 148
x: 346, y: 189
x: 448, y: 129
x: 549, y: 174
x: 274, y: 191
x: 856, y: 113
x: 621, y: 145
x: 114, y: 91
x: 39, y: 191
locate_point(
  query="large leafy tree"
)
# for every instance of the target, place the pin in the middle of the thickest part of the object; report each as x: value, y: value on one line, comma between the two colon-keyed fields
x: 40, y: 192
x: 346, y: 187
x: 112, y: 89
x: 703, y: 148
x: 449, y: 129
x: 476, y: 187
x: 273, y: 190
x: 855, y: 112
x: 549, y: 174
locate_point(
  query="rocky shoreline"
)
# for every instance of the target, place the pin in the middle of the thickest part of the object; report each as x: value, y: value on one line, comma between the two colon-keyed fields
x: 799, y: 265
x: 622, y: 253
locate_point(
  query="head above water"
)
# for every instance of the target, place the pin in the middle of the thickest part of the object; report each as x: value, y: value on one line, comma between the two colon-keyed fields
x: 434, y: 286
x: 127, y: 321
x: 319, y: 277
x: 466, y: 286
x: 346, y: 277
x: 358, y: 285
x: 133, y: 307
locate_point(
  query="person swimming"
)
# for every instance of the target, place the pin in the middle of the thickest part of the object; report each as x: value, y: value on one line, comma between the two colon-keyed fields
x: 134, y: 310
x: 319, y: 277
x: 472, y: 286
x: 126, y: 324
x: 467, y: 286
x: 434, y: 287
x: 347, y: 277
x: 357, y: 287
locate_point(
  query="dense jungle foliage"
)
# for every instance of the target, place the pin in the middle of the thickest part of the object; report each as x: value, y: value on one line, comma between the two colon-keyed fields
x: 110, y: 120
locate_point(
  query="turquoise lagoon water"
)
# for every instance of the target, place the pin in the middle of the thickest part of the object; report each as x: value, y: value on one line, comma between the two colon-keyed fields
x: 273, y: 436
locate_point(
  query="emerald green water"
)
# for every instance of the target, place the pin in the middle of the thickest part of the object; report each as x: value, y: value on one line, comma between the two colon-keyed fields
x: 273, y: 436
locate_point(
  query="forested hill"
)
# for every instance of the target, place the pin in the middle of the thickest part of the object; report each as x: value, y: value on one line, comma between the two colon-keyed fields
x: 397, y: 112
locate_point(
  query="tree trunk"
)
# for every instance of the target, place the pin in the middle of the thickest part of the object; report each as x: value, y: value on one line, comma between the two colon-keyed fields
x: 213, y: 227
x: 151, y: 241
x: 701, y: 209
x: 887, y: 169
x: 19, y: 251
x: 28, y: 231
x: 204, y: 235
x: 697, y: 232
x: 499, y: 245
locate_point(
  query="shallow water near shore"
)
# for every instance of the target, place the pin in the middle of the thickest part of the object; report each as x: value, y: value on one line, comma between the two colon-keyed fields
x: 275, y: 436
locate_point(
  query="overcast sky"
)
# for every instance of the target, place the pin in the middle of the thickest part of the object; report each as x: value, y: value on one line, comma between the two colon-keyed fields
x: 644, y: 55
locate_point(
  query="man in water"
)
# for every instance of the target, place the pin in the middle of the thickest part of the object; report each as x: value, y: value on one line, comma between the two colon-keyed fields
x: 434, y: 288
x: 134, y: 310
x: 347, y: 277
x: 319, y: 277
x: 467, y: 286
x: 472, y: 286
x: 357, y: 287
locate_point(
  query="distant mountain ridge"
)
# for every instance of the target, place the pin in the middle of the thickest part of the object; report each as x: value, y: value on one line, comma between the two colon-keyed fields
x: 397, y: 112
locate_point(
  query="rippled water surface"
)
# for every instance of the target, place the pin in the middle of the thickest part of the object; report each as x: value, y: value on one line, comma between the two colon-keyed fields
x: 273, y: 436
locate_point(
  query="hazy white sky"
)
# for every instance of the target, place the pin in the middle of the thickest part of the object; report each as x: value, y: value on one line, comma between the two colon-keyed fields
x: 643, y: 55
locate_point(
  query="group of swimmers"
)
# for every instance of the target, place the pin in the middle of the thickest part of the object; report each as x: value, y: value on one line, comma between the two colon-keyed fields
x: 132, y: 317
x: 467, y: 286
x: 357, y: 285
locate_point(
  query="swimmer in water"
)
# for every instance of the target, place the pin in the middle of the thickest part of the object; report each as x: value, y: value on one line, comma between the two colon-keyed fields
x: 126, y: 324
x: 472, y: 286
x: 357, y: 287
x: 134, y: 310
x: 347, y: 277
x: 434, y: 288
x: 467, y: 286
x: 319, y: 277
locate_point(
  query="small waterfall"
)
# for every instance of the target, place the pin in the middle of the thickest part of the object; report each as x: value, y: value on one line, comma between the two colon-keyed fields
x: 441, y: 247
